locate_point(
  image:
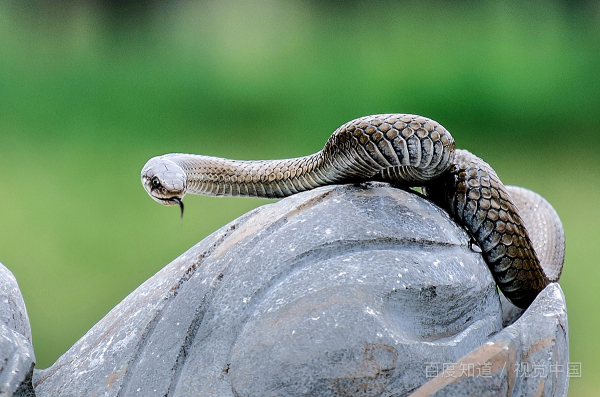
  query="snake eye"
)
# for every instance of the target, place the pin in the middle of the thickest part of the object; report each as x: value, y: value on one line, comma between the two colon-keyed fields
x: 155, y: 182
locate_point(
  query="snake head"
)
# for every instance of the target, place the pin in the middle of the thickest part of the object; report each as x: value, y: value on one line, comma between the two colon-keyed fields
x: 165, y: 181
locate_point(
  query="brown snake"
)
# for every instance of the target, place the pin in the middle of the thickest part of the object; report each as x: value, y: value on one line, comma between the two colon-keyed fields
x: 402, y: 149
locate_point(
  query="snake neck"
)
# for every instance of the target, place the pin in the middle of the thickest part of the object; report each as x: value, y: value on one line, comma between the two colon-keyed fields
x: 396, y: 148
x: 215, y: 176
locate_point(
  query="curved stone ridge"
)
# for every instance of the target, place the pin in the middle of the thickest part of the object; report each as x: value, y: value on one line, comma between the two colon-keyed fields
x: 528, y: 358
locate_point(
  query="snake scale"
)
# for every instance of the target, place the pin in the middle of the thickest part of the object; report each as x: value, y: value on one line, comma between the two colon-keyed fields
x: 405, y: 150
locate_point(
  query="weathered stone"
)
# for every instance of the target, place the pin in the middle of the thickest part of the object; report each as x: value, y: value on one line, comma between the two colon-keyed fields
x: 528, y: 358
x: 343, y: 290
x: 361, y: 290
x: 16, y: 352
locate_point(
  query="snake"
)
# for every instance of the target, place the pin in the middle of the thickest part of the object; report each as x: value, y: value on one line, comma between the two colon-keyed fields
x: 404, y: 150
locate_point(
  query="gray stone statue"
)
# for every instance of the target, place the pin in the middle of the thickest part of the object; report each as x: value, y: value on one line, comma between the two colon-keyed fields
x: 351, y: 290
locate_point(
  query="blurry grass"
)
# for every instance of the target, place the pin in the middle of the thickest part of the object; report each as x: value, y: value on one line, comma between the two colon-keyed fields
x: 84, y: 103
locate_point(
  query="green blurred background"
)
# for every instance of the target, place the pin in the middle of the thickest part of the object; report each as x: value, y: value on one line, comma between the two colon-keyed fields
x: 89, y: 91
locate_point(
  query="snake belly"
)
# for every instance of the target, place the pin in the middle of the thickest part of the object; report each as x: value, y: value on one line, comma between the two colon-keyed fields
x: 402, y: 149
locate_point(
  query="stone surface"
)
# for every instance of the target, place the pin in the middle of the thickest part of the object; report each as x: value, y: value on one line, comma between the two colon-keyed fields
x: 355, y: 290
x: 16, y: 352
x: 527, y: 358
x: 344, y: 290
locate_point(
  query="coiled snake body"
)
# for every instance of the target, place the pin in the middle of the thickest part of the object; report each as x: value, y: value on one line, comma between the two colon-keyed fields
x: 402, y: 149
